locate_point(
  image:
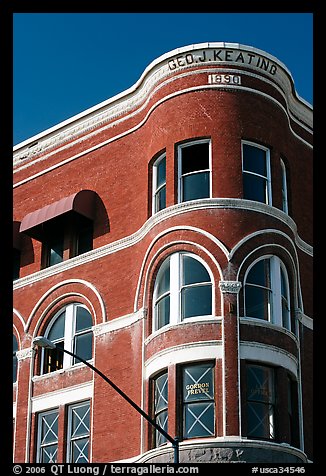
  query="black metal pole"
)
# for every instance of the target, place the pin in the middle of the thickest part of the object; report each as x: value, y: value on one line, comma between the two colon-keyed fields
x: 174, y: 441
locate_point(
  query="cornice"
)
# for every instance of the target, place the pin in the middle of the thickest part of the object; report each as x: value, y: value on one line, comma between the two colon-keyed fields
x: 175, y: 210
x: 121, y: 106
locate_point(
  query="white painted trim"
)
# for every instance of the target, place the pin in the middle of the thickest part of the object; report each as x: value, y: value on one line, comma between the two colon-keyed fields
x: 268, y: 354
x: 217, y: 442
x: 190, y: 352
x: 118, y: 323
x: 20, y: 317
x: 58, y: 285
x: 167, y: 213
x: 143, y: 121
x: 63, y: 396
x: 145, y: 87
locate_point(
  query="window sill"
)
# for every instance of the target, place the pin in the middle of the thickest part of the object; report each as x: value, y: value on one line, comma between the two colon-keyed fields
x: 251, y: 321
x: 72, y: 368
x: 188, y: 321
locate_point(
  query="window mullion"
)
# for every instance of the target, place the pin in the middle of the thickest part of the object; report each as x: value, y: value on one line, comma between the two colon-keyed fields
x: 175, y: 263
x: 275, y: 269
x: 69, y: 335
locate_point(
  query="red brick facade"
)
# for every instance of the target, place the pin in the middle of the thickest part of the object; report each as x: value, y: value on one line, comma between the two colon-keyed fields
x: 228, y: 95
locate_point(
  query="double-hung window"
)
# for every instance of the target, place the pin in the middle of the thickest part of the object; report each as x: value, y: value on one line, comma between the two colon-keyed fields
x: 194, y: 165
x: 47, y: 437
x: 159, y: 184
x: 78, y: 433
x: 198, y: 400
x: 256, y: 173
x: 71, y: 329
x: 267, y: 294
x: 182, y: 290
x: 260, y: 402
x: 161, y: 406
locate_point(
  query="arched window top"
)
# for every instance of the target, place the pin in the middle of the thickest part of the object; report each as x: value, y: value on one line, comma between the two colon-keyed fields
x: 70, y: 328
x: 182, y: 290
x: 267, y: 292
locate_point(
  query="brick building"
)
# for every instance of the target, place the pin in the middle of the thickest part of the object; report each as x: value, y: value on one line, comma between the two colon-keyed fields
x: 165, y: 235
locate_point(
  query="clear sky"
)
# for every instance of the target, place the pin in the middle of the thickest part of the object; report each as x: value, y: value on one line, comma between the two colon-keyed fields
x: 65, y: 63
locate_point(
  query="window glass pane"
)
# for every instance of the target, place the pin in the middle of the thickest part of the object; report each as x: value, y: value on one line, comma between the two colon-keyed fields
x: 83, y: 346
x: 195, y: 186
x: 254, y: 188
x: 195, y: 157
x: 58, y: 328
x: 80, y: 451
x: 199, y: 420
x: 163, y: 279
x: 160, y: 199
x: 194, y: 271
x: 196, y: 301
x: 161, y: 173
x: 83, y: 319
x: 259, y: 274
x: 162, y: 312
x: 162, y: 420
x: 49, y: 454
x: 80, y: 421
x: 161, y: 392
x: 260, y: 386
x: 254, y: 159
x: 49, y: 428
x: 53, y: 359
x: 258, y: 303
x: 198, y: 382
x: 84, y: 239
x: 260, y: 420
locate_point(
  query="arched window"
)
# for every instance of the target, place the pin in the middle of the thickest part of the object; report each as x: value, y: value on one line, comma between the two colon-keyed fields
x: 266, y: 291
x: 183, y: 289
x: 14, y: 357
x: 71, y: 329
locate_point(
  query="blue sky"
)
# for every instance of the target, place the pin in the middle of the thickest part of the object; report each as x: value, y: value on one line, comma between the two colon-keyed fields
x: 65, y: 63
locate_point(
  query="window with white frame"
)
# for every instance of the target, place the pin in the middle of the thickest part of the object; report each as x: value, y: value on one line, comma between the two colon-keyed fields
x: 256, y: 173
x: 78, y: 432
x: 266, y: 292
x: 260, y: 397
x: 285, y: 206
x: 47, y: 437
x: 198, y: 400
x: 71, y: 329
x: 194, y: 166
x: 159, y: 184
x: 182, y: 290
x: 160, y: 384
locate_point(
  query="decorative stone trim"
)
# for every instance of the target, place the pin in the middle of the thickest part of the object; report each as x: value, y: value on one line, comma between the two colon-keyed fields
x: 174, y: 210
x: 230, y: 286
x: 118, y: 323
x: 25, y: 353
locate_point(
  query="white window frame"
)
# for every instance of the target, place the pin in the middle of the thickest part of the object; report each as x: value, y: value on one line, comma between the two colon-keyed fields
x: 40, y: 446
x: 275, y: 315
x: 69, y: 334
x: 180, y: 175
x: 285, y: 199
x: 155, y: 188
x: 175, y: 291
x: 268, y: 198
x: 70, y: 438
